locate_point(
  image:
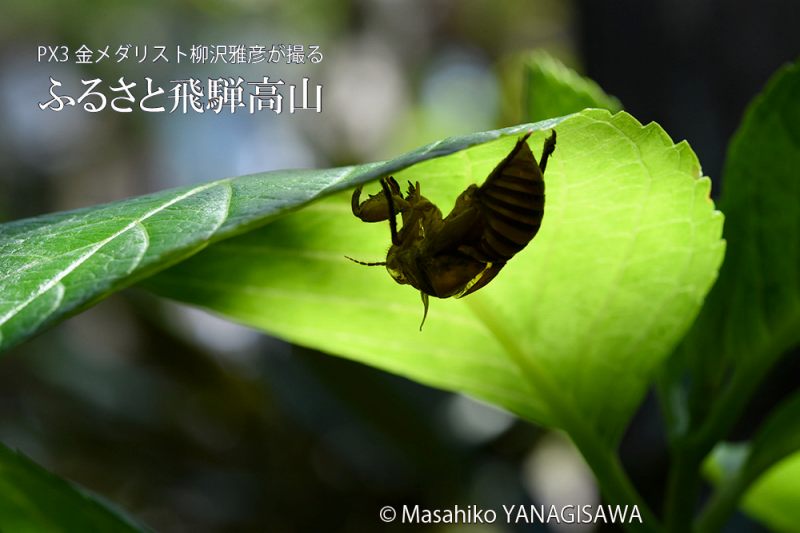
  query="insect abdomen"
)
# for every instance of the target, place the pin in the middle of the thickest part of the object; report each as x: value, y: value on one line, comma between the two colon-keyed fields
x: 513, y: 204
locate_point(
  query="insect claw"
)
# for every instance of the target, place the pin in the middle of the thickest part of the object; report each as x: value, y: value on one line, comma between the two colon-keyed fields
x: 355, y: 201
x: 425, y: 312
x: 393, y: 185
x: 547, y: 150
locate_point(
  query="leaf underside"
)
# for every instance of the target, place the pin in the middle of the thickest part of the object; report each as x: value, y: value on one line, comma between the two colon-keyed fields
x: 55, y: 265
x: 629, y: 245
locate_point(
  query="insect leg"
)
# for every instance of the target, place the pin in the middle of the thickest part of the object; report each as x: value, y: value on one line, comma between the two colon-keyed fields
x: 547, y: 150
x: 355, y: 201
x: 376, y: 207
x: 392, y: 213
x: 376, y: 263
x: 425, y: 304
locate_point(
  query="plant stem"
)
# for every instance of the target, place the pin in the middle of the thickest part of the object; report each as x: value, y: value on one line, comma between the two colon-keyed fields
x: 682, y: 489
x: 722, y: 505
x: 726, y: 411
x: 614, y: 482
x: 604, y: 462
x: 689, y: 451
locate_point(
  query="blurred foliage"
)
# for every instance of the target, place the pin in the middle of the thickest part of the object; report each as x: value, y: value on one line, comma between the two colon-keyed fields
x: 548, y: 88
x: 771, y: 460
x: 33, y: 500
x: 195, y: 425
x: 751, y: 317
x: 555, y: 90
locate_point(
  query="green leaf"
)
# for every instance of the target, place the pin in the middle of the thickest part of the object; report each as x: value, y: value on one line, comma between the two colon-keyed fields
x: 55, y: 265
x: 572, y: 328
x: 552, y: 89
x: 773, y: 498
x: 752, y: 315
x: 34, y: 500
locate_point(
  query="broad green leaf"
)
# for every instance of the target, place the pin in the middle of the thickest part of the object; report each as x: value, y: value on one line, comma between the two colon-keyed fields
x: 54, y: 265
x: 752, y: 315
x: 773, y: 498
x: 551, y: 89
x: 629, y: 245
x: 33, y: 500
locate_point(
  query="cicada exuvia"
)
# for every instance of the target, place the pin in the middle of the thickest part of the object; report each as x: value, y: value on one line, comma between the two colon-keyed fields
x: 461, y: 253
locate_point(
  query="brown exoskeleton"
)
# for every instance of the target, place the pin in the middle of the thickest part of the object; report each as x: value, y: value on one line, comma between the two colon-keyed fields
x: 461, y: 253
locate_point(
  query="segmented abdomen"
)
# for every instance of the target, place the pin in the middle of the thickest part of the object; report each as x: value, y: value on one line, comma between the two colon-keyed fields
x: 512, y: 203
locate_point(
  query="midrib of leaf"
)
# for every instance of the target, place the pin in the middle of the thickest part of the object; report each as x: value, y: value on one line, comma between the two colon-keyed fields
x: 534, y: 375
x: 137, y: 222
x: 753, y: 121
x: 759, y: 267
x: 615, y: 484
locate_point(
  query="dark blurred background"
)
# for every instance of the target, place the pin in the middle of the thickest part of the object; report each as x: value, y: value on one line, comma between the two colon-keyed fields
x: 195, y: 424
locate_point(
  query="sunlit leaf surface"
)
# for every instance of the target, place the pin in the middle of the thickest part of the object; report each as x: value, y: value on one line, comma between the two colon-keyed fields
x: 629, y: 245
